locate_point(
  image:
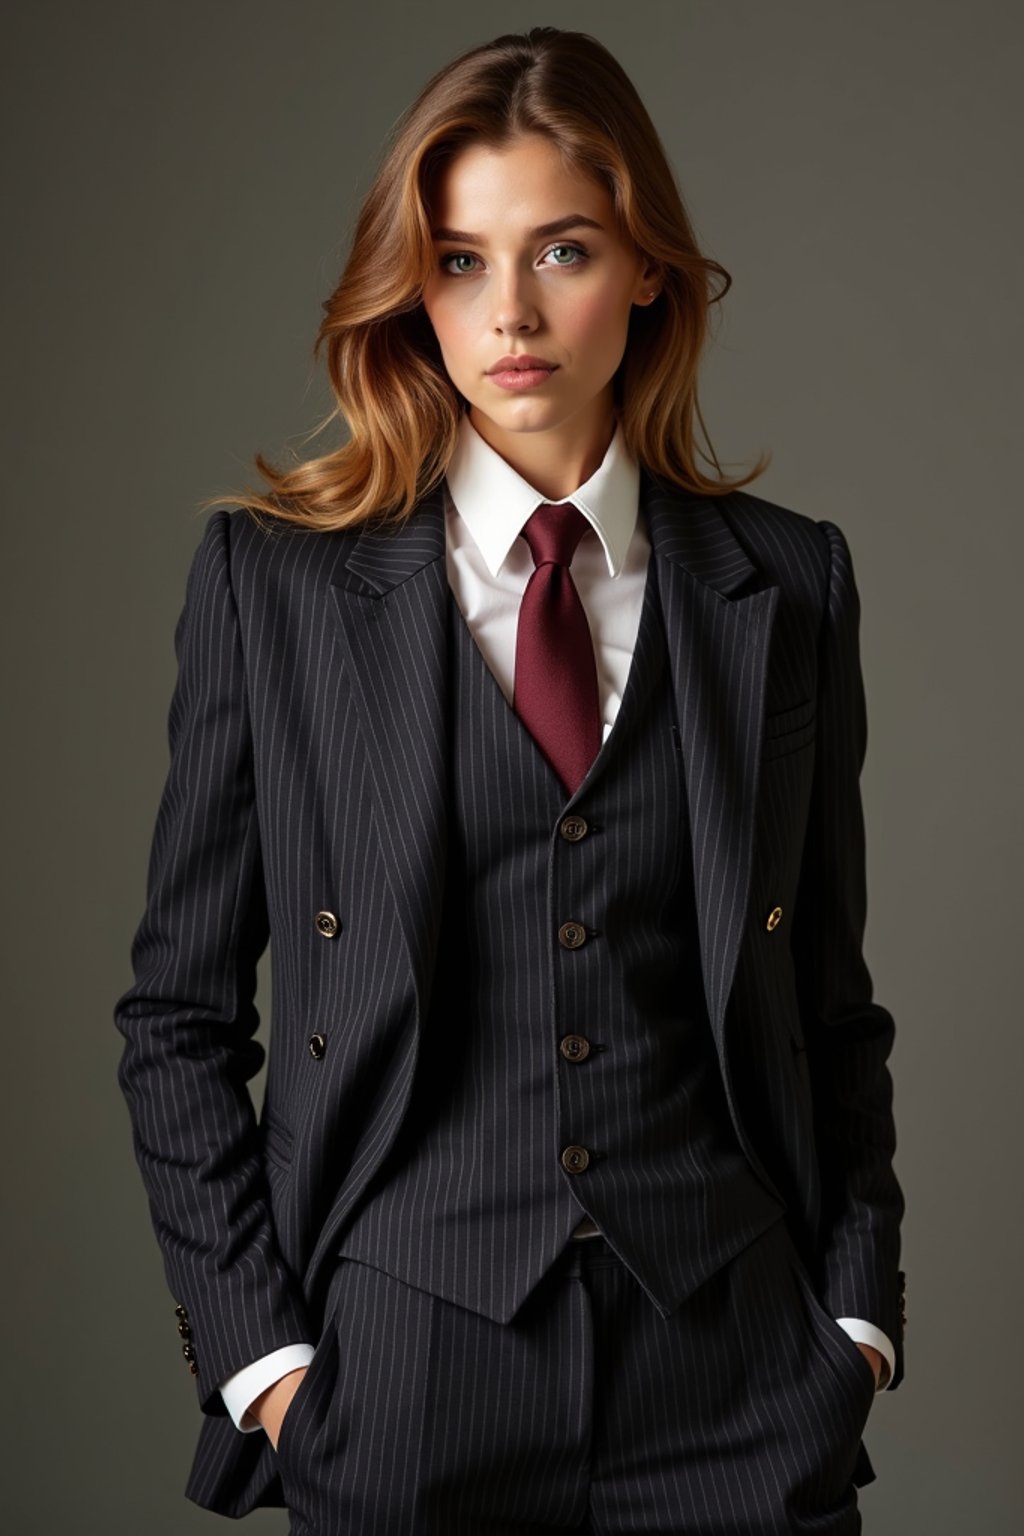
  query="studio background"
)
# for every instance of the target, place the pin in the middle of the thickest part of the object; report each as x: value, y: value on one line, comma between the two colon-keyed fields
x: 179, y: 185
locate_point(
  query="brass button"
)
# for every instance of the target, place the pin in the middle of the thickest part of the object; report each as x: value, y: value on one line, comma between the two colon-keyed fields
x: 574, y: 1047
x: 317, y: 1046
x: 326, y: 924
x: 572, y: 935
x: 575, y: 1159
x: 774, y: 918
x: 573, y: 828
x: 184, y: 1330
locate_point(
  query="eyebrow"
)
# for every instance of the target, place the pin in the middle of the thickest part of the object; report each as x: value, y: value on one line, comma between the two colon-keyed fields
x: 556, y: 227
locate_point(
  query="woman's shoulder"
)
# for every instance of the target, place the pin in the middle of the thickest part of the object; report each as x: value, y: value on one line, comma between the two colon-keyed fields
x: 262, y: 549
x: 753, y: 511
x: 782, y: 540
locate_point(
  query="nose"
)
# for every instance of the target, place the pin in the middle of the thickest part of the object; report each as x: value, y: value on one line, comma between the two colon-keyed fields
x: 515, y: 309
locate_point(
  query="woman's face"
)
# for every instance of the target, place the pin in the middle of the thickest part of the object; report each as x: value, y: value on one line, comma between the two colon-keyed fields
x: 504, y: 285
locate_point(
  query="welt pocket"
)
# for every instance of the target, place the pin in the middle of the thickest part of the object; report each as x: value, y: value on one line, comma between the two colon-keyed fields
x: 782, y: 721
x: 788, y: 729
x: 277, y: 1139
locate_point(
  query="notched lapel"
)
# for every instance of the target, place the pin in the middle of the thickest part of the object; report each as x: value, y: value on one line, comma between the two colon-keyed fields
x: 719, y: 639
x: 390, y: 595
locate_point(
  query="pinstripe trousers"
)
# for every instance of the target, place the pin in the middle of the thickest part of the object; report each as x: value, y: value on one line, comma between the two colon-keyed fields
x: 588, y: 1412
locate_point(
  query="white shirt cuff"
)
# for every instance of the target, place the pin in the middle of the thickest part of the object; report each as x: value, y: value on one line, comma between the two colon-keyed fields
x: 862, y: 1332
x: 245, y: 1386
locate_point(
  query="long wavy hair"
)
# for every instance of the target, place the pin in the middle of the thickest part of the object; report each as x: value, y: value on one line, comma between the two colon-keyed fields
x: 386, y: 371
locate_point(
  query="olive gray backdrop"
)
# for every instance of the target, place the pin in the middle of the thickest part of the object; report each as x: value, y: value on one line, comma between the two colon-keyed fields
x: 179, y: 184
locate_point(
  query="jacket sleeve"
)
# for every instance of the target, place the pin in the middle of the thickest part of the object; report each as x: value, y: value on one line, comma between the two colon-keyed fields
x: 849, y: 1036
x: 189, y: 1019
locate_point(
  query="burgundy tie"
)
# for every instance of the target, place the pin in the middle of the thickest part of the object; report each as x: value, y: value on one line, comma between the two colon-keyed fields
x: 555, y: 692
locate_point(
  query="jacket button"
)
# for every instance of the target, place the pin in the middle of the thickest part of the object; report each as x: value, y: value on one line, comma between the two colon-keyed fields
x: 188, y: 1350
x: 572, y: 935
x: 573, y: 828
x: 181, y: 1312
x: 326, y: 924
x: 575, y: 1159
x: 574, y: 1047
x: 774, y: 918
x: 193, y: 1368
x: 317, y: 1046
x: 184, y: 1330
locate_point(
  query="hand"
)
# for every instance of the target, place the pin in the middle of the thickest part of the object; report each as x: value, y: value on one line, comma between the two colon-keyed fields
x: 271, y: 1406
x: 874, y: 1358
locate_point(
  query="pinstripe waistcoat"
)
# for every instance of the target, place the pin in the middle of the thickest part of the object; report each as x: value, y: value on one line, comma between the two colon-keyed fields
x: 312, y: 771
x: 566, y: 1057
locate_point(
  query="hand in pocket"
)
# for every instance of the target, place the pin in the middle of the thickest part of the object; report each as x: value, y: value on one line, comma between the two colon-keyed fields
x: 270, y: 1407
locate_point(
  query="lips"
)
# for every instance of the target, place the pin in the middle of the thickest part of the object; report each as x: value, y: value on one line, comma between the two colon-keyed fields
x: 521, y: 363
x: 521, y: 379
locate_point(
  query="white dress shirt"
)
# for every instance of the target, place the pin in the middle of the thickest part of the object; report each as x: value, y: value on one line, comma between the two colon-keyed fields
x: 488, y: 568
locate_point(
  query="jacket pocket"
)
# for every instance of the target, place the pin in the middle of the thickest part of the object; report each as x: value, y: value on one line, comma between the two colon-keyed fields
x: 786, y: 730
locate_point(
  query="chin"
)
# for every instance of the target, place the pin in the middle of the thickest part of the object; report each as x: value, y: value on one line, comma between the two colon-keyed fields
x: 526, y: 416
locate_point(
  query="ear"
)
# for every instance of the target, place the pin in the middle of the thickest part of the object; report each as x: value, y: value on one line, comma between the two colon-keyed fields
x: 648, y: 284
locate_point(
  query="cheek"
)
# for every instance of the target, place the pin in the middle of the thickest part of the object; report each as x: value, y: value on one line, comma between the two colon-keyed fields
x: 597, y: 322
x: 451, y: 327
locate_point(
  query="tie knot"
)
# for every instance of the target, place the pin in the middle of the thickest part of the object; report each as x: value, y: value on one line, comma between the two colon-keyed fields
x: 554, y: 531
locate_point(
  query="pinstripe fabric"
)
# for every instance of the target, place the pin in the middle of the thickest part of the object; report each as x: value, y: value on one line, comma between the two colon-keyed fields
x: 591, y: 1413
x: 309, y: 772
x: 473, y: 1203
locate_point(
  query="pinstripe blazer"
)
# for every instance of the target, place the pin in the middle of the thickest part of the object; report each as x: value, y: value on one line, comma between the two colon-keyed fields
x: 307, y: 772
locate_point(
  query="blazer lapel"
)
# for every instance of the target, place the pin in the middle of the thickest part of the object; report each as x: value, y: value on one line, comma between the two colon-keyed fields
x: 718, y: 640
x: 391, y: 600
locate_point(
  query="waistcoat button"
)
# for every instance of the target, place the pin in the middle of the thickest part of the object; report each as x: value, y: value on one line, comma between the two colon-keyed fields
x: 317, y: 1046
x: 572, y: 935
x: 326, y: 924
x: 774, y: 918
x: 574, y: 1047
x: 573, y: 828
x: 575, y: 1159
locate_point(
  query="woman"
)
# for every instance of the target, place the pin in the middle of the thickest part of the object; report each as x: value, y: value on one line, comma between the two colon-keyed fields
x: 534, y: 752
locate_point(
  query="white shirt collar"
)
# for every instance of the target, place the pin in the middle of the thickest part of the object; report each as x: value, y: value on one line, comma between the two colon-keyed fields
x: 495, y: 501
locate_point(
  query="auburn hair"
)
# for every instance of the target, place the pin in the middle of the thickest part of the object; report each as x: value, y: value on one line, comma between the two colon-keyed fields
x: 386, y: 371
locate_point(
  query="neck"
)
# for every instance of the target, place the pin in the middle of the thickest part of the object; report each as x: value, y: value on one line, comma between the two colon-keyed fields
x: 557, y: 462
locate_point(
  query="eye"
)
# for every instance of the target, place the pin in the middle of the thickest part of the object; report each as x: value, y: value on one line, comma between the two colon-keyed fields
x: 573, y: 250
x: 456, y: 256
x: 576, y: 254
